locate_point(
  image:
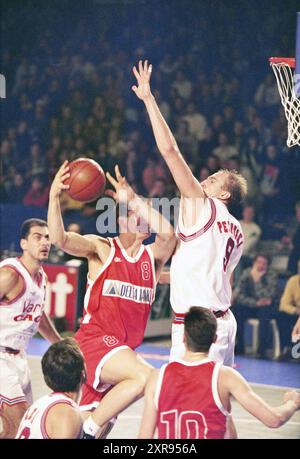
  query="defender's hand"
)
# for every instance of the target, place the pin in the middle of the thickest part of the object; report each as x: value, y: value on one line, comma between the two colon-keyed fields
x: 143, y: 75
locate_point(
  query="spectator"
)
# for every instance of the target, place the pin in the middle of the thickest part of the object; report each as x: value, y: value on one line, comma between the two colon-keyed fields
x: 255, y: 297
x: 197, y: 123
x: 289, y: 313
x: 17, y: 190
x: 38, y: 193
x: 158, y: 189
x: 224, y: 151
x: 251, y: 230
x: 182, y: 85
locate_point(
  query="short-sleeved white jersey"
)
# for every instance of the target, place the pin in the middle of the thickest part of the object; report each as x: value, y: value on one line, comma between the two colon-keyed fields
x: 19, y: 319
x: 205, y: 258
x: 33, y: 424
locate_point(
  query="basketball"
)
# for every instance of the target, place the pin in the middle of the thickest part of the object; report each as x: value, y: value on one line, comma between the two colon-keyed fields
x: 87, y: 180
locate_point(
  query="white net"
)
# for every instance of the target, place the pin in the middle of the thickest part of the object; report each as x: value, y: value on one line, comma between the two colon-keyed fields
x: 291, y: 103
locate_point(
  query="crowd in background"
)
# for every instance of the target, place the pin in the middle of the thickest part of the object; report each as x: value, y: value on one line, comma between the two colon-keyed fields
x: 69, y: 96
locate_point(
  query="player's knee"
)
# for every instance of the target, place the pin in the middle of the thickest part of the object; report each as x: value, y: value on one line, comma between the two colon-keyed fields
x: 141, y: 379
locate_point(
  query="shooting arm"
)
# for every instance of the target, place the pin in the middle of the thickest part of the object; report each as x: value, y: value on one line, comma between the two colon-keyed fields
x: 165, y: 238
x: 72, y: 243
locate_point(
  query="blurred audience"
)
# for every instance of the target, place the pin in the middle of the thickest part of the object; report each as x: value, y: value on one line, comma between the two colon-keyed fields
x: 255, y: 297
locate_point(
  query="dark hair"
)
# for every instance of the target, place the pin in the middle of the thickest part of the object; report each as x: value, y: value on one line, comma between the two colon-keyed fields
x: 63, y: 366
x: 200, y: 326
x: 27, y: 224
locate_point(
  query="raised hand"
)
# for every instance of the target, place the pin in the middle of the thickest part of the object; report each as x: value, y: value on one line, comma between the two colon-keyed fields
x: 143, y: 75
x: 58, y: 183
x: 123, y: 192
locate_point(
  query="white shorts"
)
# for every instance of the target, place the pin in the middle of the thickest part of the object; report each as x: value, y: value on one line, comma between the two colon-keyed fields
x: 15, y: 385
x: 221, y: 351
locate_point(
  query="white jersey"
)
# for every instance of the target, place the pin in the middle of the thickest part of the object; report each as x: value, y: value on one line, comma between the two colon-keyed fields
x: 205, y: 258
x: 19, y: 319
x: 33, y: 424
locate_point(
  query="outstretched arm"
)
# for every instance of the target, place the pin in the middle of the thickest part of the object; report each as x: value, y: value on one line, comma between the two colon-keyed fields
x: 188, y: 185
x: 72, y: 243
x: 272, y: 417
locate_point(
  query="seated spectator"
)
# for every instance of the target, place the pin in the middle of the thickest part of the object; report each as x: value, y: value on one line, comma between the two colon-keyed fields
x: 252, y: 232
x: 38, y: 193
x: 16, y: 190
x: 289, y: 311
x: 224, y: 151
x: 255, y: 297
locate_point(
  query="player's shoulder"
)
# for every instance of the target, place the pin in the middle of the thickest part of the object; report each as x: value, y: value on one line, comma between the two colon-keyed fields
x: 227, y: 375
x: 64, y: 414
x: 9, y: 275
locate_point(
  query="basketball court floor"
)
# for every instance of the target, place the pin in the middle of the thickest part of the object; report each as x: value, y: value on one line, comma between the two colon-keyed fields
x: 269, y: 379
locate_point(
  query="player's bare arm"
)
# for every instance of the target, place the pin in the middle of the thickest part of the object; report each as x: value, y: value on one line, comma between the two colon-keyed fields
x: 63, y: 421
x: 72, y: 243
x: 272, y: 417
x: 11, y: 284
x: 166, y: 143
x: 148, y: 423
x: 165, y: 237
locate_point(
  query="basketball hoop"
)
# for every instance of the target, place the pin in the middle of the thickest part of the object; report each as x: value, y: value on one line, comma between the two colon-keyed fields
x: 283, y: 68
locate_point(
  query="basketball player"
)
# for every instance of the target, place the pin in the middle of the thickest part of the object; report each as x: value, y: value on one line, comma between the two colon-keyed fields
x: 210, y: 239
x: 121, y: 288
x: 57, y: 414
x: 22, y: 300
x: 190, y: 397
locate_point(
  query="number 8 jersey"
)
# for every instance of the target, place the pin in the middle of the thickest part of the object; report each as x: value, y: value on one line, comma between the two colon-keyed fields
x: 205, y: 258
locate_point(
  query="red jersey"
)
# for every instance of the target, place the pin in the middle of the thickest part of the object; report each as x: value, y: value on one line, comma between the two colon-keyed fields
x: 187, y: 401
x: 118, y: 301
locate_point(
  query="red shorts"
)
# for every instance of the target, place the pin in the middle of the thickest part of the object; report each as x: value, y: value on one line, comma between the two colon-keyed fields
x: 96, y: 350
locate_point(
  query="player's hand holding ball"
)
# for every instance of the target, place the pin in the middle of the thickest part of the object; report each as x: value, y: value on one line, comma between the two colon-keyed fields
x: 58, y: 184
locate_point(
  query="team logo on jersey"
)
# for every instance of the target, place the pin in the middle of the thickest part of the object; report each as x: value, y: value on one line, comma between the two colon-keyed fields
x: 117, y: 260
x: 128, y: 291
x: 110, y: 340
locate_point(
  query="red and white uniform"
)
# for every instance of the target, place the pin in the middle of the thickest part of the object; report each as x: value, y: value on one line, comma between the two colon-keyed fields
x: 33, y: 424
x: 117, y: 307
x: 19, y: 321
x: 187, y: 401
x: 200, y: 273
